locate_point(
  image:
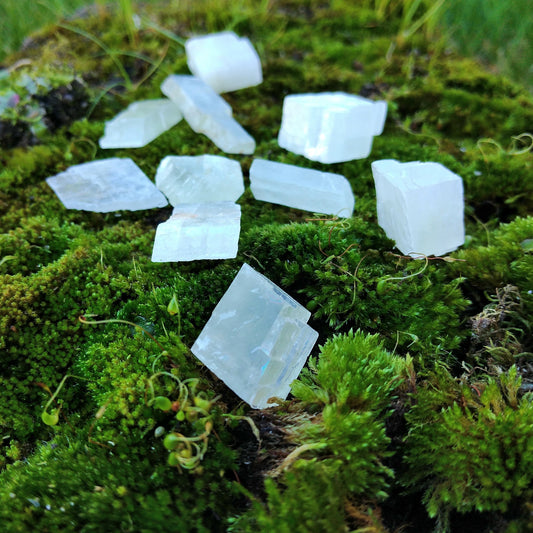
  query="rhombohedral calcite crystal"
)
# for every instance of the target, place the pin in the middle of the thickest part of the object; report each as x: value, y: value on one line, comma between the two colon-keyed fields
x: 199, y: 231
x: 198, y: 179
x: 140, y: 124
x: 420, y: 206
x: 257, y: 339
x: 330, y: 127
x: 208, y: 113
x: 302, y: 188
x: 106, y: 185
x: 224, y: 61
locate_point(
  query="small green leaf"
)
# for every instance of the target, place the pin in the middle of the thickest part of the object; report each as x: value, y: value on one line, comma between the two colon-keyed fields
x: 381, y: 286
x: 173, y: 307
x: 163, y: 403
x: 171, y: 441
x: 52, y: 418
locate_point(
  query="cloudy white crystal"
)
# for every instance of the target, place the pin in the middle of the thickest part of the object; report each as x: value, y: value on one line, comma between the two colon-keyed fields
x: 199, y: 231
x: 198, y: 179
x: 257, y: 339
x: 208, y: 113
x: 330, y: 127
x: 225, y: 61
x: 106, y: 185
x: 140, y: 123
x: 420, y: 206
x: 302, y: 188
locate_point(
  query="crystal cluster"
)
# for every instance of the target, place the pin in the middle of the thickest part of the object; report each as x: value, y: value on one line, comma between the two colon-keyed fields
x: 140, y: 124
x: 106, y: 185
x: 420, y: 206
x: 302, y: 188
x: 330, y: 127
x: 208, y: 113
x: 224, y: 61
x: 197, y: 179
x: 199, y: 231
x: 257, y: 339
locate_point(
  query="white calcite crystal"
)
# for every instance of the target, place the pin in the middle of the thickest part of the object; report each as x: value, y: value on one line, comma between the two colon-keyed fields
x: 198, y: 179
x: 225, y: 61
x: 106, y: 185
x: 208, y: 113
x: 330, y: 127
x: 257, y: 339
x: 140, y: 124
x: 199, y: 231
x: 420, y: 206
x: 302, y: 188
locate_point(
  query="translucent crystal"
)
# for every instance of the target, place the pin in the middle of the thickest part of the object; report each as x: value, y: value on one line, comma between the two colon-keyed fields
x: 420, y: 206
x: 224, y: 61
x: 208, y: 113
x: 106, y: 185
x: 140, y: 124
x: 257, y: 339
x: 302, y: 188
x: 199, y: 231
x: 197, y: 179
x: 330, y: 127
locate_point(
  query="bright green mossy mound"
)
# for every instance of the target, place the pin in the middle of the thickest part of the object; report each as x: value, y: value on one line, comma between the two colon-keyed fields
x: 414, y: 410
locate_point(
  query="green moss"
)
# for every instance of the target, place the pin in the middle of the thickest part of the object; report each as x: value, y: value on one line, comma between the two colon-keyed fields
x: 485, y: 434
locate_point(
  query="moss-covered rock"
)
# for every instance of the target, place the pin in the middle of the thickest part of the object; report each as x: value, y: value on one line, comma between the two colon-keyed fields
x: 146, y: 438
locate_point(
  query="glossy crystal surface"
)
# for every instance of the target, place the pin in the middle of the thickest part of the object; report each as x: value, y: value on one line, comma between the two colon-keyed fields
x: 257, y: 339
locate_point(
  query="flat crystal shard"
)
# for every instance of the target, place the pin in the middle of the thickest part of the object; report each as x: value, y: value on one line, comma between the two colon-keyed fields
x: 140, y: 124
x: 106, y: 185
x: 302, y: 188
x: 420, y: 206
x: 208, y: 113
x: 257, y: 339
x: 224, y: 61
x: 199, y: 231
x: 198, y: 179
x: 330, y: 127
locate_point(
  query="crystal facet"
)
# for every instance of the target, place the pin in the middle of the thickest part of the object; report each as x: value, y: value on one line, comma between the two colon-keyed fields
x: 224, y: 61
x: 257, y: 339
x: 106, y: 185
x: 302, y: 188
x: 197, y: 179
x: 140, y: 124
x: 330, y: 127
x: 208, y: 113
x: 199, y: 231
x: 420, y: 206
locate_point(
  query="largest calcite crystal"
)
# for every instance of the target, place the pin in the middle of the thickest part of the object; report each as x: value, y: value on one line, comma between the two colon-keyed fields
x: 106, y: 185
x: 257, y: 339
x: 330, y: 127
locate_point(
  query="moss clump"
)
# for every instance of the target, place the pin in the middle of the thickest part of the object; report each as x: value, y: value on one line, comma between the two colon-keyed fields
x: 485, y: 433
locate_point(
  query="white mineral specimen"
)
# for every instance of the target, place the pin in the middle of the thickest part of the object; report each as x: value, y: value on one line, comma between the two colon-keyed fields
x: 224, y: 61
x: 140, y: 124
x: 257, y: 339
x: 302, y: 188
x: 199, y: 231
x: 420, y: 206
x: 198, y: 179
x: 330, y: 127
x: 106, y: 185
x: 208, y: 113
